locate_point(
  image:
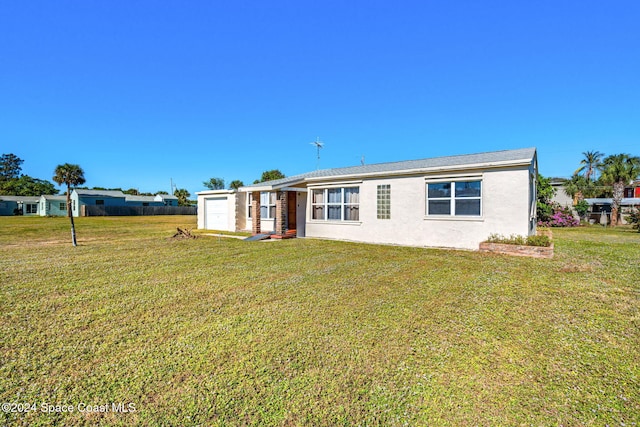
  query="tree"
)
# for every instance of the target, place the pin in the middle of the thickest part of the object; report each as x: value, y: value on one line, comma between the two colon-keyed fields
x: 235, y: 184
x: 619, y: 170
x: 545, y: 192
x: 10, y: 167
x: 590, y: 164
x: 161, y: 192
x: 578, y: 187
x: 27, y: 186
x: 214, y: 184
x: 71, y: 175
x: 270, y: 176
x: 183, y: 196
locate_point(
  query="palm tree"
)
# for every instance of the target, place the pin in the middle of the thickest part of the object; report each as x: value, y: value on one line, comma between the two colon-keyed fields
x: 70, y: 175
x: 591, y: 164
x: 183, y: 196
x: 619, y: 170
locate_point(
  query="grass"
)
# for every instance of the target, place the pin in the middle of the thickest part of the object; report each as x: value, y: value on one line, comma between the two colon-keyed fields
x: 219, y: 332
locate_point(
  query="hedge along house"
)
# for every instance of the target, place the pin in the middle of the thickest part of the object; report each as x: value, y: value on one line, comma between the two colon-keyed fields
x: 454, y: 201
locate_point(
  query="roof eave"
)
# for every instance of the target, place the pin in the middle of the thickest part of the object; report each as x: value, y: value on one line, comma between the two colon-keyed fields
x: 270, y: 187
x: 417, y: 171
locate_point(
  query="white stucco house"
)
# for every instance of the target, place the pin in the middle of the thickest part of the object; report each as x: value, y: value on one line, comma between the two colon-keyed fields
x: 454, y: 201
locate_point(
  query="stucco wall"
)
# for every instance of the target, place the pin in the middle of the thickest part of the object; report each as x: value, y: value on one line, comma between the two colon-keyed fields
x: 561, y: 197
x: 231, y: 207
x: 505, y: 210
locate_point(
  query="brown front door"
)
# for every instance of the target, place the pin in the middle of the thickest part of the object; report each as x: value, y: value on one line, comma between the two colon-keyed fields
x: 291, y: 210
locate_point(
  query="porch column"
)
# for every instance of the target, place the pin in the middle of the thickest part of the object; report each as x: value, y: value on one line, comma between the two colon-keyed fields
x: 255, y: 212
x: 281, y: 213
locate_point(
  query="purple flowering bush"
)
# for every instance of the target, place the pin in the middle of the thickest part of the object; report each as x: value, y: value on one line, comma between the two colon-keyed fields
x: 561, y: 217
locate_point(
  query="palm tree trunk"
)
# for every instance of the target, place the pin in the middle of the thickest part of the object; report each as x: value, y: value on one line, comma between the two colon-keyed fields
x: 70, y: 215
x: 73, y: 232
x: 618, y: 193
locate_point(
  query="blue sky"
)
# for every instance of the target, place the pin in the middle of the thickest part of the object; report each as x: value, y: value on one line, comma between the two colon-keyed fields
x: 142, y: 92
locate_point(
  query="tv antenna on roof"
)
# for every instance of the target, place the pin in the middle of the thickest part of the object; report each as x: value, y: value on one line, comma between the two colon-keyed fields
x: 319, y: 144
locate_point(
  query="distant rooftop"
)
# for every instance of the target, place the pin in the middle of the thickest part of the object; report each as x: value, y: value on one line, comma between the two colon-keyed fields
x: 20, y: 198
x: 107, y: 193
x: 132, y: 198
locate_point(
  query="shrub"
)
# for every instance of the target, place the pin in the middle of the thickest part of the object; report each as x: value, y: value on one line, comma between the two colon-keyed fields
x: 539, y: 241
x: 634, y: 218
x: 515, y: 239
x: 582, y: 207
x: 562, y: 217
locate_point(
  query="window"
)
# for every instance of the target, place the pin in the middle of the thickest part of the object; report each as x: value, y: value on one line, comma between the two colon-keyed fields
x: 384, y: 201
x: 454, y: 198
x: 63, y: 206
x: 336, y: 204
x: 99, y: 202
x: 32, y: 208
x: 267, y: 205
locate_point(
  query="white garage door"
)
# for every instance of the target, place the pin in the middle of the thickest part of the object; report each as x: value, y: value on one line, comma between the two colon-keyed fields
x: 216, y: 213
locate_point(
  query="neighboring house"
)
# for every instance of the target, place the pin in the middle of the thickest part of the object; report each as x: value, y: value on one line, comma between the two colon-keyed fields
x: 81, y: 197
x: 167, y: 199
x: 19, y: 205
x: 53, y: 205
x: 561, y: 197
x: 454, y: 201
x: 56, y: 205
x: 633, y: 191
x: 599, y: 205
x: 142, y: 201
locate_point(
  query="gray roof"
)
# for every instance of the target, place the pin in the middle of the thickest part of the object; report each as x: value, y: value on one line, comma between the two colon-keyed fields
x: 627, y: 201
x: 132, y: 198
x: 494, y: 158
x: 105, y: 193
x: 55, y: 197
x: 27, y: 199
x: 167, y: 196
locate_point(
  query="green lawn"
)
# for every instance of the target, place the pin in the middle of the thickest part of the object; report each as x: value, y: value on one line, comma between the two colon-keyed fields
x: 217, y: 331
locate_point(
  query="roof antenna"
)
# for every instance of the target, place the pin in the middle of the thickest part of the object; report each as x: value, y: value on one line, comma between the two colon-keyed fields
x: 362, y: 161
x: 319, y: 144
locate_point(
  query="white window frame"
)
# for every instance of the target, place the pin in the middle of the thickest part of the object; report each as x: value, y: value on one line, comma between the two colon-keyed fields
x: 269, y: 205
x: 342, y: 204
x: 452, y: 198
x: 31, y: 208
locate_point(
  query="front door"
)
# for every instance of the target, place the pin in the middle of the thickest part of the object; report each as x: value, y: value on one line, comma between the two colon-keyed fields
x: 292, y: 201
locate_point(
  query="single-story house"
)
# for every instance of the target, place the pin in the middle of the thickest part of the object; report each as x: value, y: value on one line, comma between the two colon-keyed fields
x: 19, y: 205
x: 453, y: 201
x: 633, y: 190
x: 561, y: 197
x: 599, y: 205
x: 167, y: 199
x: 82, y: 197
x: 142, y: 201
x: 55, y: 205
